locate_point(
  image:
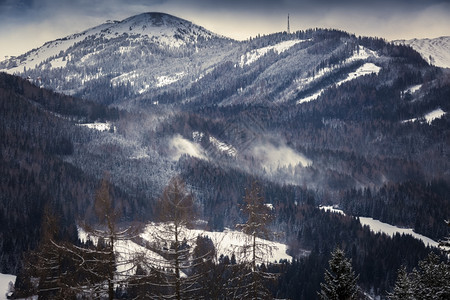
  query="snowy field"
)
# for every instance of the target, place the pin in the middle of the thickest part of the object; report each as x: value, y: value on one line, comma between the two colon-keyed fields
x: 227, y: 242
x: 378, y: 226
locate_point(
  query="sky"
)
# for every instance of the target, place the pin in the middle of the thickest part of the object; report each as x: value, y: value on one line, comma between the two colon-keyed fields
x: 28, y: 24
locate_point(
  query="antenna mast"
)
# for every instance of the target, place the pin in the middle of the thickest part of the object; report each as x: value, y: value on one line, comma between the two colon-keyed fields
x: 289, y: 28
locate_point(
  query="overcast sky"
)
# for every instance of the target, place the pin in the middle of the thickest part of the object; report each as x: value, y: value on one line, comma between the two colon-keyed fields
x: 27, y: 24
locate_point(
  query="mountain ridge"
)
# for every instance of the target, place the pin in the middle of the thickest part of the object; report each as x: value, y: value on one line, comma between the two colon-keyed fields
x: 435, y: 50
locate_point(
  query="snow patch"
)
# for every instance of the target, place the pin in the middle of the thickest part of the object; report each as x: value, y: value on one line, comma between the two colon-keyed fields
x: 390, y: 230
x: 413, y: 89
x: 5, y: 280
x: 311, y: 98
x: 169, y: 79
x: 99, y: 126
x: 58, y: 63
x: 361, y: 54
x: 435, y: 114
x: 429, y: 117
x: 378, y: 226
x: 253, y: 55
x: 366, y: 69
x: 227, y: 242
x: 333, y: 209
x: 223, y: 147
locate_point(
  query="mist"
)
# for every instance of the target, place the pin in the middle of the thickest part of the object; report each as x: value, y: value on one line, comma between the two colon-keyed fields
x: 179, y: 146
x: 274, y: 157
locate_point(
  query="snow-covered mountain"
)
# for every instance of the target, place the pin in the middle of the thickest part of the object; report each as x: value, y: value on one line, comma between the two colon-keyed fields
x: 159, y: 28
x: 435, y: 51
x: 126, y: 55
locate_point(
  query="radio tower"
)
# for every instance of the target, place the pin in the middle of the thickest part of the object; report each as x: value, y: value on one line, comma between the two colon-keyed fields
x: 289, y: 28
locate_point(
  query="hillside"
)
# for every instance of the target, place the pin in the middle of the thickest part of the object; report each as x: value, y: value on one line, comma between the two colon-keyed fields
x: 434, y: 51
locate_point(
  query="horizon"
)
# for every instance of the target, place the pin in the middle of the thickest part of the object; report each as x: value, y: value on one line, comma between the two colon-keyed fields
x: 28, y: 24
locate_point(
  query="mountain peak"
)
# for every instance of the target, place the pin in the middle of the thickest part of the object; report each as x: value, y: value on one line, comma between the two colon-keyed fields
x: 155, y: 19
x: 160, y: 29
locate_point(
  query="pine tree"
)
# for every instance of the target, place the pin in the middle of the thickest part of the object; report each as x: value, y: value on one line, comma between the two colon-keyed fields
x: 340, y: 280
x: 404, y: 286
x: 433, y: 279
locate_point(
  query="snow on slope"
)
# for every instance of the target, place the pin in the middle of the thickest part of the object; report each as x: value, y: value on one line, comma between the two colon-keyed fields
x: 160, y: 28
x: 434, y: 51
x: 413, y: 89
x: 5, y: 279
x: 223, y: 147
x: 368, y: 68
x: 378, y: 226
x: 255, y: 54
x: 429, y: 117
x: 226, y: 242
x: 98, y: 126
x: 169, y: 79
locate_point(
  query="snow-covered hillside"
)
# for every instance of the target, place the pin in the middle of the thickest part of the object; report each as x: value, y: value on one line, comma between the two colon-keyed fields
x: 160, y: 28
x: 227, y: 243
x: 391, y: 230
x: 434, y: 51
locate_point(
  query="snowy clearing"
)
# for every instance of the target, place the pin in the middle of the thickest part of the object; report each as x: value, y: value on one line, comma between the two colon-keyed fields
x: 435, y: 114
x: 98, y: 126
x: 391, y: 230
x: 366, y: 69
x: 169, y: 79
x: 378, y: 226
x: 5, y: 279
x: 226, y: 242
x: 311, y: 98
x: 253, y: 55
x: 223, y: 147
x: 413, y: 89
x: 429, y: 117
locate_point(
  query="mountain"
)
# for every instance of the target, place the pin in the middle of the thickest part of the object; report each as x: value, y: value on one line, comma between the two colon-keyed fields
x: 317, y: 117
x: 434, y: 51
x: 123, y: 54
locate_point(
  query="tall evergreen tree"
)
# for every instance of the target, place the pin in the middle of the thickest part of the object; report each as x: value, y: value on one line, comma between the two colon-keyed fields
x: 404, y: 286
x: 340, y: 280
